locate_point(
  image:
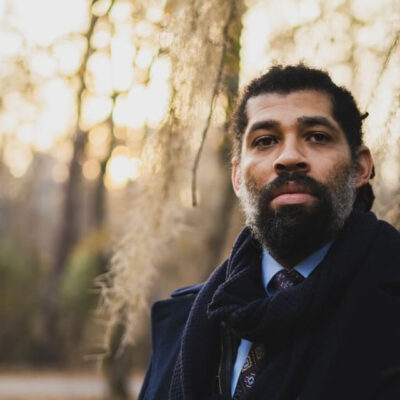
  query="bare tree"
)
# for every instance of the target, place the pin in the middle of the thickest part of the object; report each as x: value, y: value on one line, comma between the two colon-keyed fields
x: 68, y: 234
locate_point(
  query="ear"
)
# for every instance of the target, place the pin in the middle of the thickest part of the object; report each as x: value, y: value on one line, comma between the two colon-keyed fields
x: 236, y: 176
x: 365, y: 165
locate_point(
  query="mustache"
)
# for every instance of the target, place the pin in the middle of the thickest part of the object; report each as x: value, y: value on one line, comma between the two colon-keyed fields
x: 315, y: 188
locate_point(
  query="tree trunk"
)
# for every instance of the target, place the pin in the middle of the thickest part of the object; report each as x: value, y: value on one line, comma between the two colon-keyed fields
x: 217, y: 237
x: 52, y: 347
x: 118, y: 365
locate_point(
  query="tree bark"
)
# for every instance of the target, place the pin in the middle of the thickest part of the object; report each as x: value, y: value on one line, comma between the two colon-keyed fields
x: 217, y: 237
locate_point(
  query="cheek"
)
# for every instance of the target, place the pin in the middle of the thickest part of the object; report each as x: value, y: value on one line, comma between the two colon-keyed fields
x: 326, y: 166
x: 258, y: 173
x: 340, y: 174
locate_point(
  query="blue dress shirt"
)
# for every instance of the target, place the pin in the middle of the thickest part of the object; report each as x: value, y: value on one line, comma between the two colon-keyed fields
x: 269, y: 267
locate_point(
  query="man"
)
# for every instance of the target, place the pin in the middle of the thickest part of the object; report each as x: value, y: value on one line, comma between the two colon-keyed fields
x: 308, y: 304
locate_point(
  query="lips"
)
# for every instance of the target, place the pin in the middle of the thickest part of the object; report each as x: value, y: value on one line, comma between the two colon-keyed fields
x: 290, y: 188
x: 292, y: 193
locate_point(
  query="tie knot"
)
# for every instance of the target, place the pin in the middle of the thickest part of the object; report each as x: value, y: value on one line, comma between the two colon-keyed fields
x: 285, y: 279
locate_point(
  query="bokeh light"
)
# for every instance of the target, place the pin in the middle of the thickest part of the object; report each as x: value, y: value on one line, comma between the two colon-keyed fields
x: 122, y: 168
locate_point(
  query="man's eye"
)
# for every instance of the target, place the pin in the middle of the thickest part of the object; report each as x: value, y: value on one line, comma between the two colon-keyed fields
x: 318, y: 137
x: 264, y: 141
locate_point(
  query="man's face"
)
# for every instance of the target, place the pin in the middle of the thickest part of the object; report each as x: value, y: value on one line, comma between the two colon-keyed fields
x: 296, y: 178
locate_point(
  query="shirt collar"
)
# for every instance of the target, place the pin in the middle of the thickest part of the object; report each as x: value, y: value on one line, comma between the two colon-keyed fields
x: 270, y: 266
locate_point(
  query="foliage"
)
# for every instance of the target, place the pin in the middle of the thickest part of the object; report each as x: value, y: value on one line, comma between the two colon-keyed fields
x: 85, y: 263
x: 19, y: 284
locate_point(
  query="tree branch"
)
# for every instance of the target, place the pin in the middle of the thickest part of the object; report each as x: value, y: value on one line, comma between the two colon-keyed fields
x: 213, y: 100
x: 384, y: 66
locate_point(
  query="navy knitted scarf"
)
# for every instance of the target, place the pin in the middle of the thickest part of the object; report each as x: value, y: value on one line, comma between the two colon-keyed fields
x: 287, y: 322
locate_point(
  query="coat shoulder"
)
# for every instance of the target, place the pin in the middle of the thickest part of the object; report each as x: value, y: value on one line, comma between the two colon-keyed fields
x: 168, y: 322
x: 387, y: 252
x: 187, y: 290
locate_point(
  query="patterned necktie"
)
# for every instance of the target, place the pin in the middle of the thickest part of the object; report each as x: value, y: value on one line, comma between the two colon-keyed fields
x: 282, y: 280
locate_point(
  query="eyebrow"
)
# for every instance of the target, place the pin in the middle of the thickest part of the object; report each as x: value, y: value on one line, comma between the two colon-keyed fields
x: 305, y: 122
x: 316, y: 120
x: 266, y: 124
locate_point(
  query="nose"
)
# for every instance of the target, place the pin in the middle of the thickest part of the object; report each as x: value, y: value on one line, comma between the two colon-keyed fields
x: 291, y: 159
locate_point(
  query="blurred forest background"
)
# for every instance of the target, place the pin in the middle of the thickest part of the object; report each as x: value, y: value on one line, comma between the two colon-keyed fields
x: 113, y: 124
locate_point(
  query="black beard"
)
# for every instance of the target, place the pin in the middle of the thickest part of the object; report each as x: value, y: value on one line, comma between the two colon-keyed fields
x: 292, y: 232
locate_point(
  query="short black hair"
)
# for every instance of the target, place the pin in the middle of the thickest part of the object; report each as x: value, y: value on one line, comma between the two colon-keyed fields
x: 287, y: 79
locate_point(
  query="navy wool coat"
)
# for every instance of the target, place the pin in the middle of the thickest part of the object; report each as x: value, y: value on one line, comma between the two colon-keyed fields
x: 359, y: 352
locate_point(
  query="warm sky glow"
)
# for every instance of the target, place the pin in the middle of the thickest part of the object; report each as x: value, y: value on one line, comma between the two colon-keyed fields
x: 50, y: 114
x: 44, y: 28
x: 122, y: 168
x: 18, y: 158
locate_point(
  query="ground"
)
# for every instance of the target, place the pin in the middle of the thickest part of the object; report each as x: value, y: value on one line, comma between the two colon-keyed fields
x: 51, y: 385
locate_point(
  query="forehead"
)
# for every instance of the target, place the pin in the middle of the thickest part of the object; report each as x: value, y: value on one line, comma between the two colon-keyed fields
x: 284, y: 106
